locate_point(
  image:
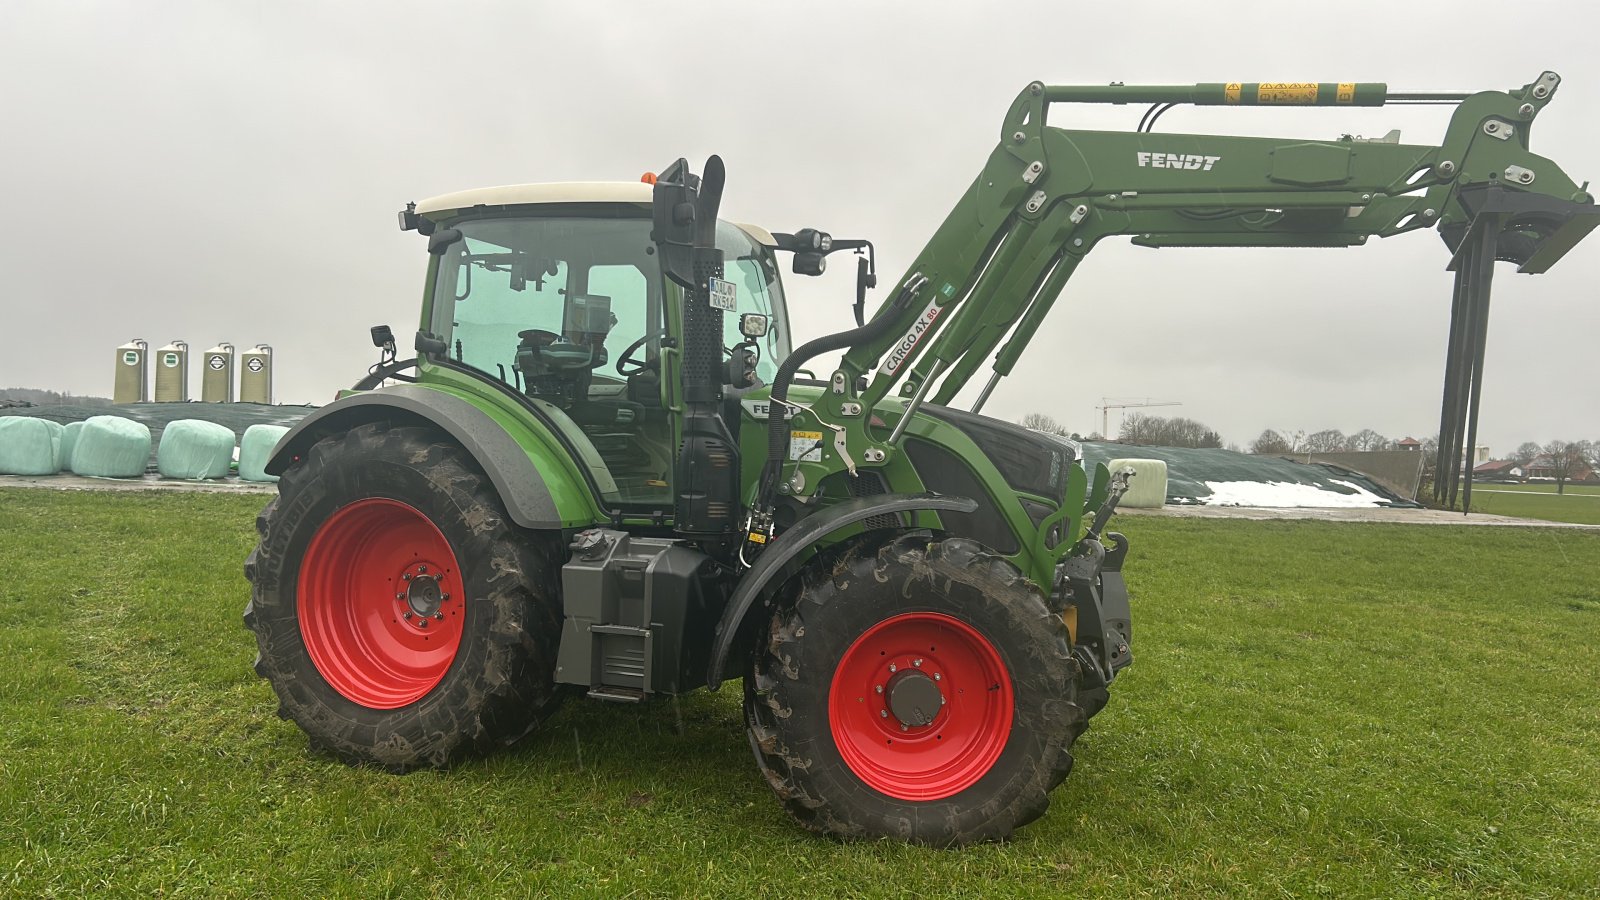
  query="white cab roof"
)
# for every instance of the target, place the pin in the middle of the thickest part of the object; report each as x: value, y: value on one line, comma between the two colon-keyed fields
x: 559, y: 192
x: 563, y: 192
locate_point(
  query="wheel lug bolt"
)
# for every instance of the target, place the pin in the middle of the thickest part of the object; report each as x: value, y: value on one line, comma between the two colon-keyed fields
x: 399, y: 596
x: 891, y: 667
x: 879, y: 688
x: 439, y: 616
x: 406, y: 577
x: 936, y: 676
x: 444, y: 596
x: 407, y: 614
x: 883, y: 714
x: 423, y: 623
x: 422, y: 570
x: 917, y: 663
x: 904, y: 727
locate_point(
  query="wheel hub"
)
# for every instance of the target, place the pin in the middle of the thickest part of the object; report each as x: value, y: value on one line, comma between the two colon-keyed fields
x: 425, y: 596
x: 914, y: 698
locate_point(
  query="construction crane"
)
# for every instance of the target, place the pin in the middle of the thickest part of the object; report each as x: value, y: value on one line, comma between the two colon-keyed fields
x: 1106, y: 406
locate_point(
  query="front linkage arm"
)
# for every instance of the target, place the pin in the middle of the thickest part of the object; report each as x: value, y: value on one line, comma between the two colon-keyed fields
x: 1048, y: 195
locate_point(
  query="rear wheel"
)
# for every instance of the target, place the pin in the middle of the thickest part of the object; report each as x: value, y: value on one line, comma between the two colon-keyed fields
x: 922, y: 691
x: 401, y: 618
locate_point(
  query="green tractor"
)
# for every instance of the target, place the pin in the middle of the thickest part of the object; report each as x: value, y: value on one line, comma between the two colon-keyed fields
x: 608, y: 471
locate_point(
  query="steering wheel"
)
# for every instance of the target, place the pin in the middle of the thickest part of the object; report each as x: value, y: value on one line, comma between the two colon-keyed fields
x: 627, y: 366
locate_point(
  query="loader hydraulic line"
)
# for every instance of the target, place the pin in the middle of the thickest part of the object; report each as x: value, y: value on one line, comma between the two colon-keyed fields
x: 990, y: 274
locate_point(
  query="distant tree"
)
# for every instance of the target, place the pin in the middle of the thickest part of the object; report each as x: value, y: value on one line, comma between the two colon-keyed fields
x: 1330, y: 440
x: 1430, y: 460
x: 1567, y: 460
x: 1367, y: 440
x: 1526, y: 452
x: 1044, y: 423
x: 1156, y: 431
x: 1270, y: 442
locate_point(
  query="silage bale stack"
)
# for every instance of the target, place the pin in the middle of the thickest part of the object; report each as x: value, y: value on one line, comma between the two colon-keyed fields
x: 111, y: 447
x: 255, y: 448
x: 69, y: 440
x: 194, y: 449
x: 1148, y: 487
x: 29, y: 446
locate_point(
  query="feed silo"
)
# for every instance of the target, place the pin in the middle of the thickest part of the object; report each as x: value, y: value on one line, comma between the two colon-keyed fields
x: 172, y: 373
x: 132, y: 384
x: 216, y: 379
x: 255, y: 375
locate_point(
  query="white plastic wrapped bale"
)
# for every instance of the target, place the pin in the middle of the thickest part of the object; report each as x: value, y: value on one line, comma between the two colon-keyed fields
x: 111, y: 447
x: 255, y: 448
x: 1148, y: 488
x: 194, y: 449
x: 69, y: 439
x: 29, y: 446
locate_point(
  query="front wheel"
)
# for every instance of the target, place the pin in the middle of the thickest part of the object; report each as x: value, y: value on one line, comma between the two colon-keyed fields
x: 923, y: 692
x: 401, y: 618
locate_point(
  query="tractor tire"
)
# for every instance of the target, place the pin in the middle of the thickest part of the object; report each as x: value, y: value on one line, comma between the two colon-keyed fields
x: 922, y: 692
x: 401, y: 618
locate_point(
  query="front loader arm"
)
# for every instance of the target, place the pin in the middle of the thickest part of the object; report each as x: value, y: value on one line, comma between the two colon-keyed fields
x: 1048, y: 195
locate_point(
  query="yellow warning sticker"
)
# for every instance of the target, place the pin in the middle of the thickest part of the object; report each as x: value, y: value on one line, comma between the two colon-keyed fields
x: 1286, y: 92
x: 1231, y: 91
x: 805, y: 446
x: 1347, y: 92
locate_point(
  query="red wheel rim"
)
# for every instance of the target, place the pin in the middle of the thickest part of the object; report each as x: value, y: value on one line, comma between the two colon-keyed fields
x: 380, y: 603
x: 943, y: 663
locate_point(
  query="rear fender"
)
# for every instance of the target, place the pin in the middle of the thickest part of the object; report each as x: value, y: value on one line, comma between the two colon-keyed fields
x: 525, y: 472
x: 784, y: 556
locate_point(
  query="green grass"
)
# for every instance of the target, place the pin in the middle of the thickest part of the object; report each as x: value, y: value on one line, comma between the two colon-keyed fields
x: 1350, y: 710
x: 1540, y: 487
x: 1580, y: 503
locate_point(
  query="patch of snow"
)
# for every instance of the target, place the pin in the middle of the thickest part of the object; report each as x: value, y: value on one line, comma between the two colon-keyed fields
x: 1288, y: 494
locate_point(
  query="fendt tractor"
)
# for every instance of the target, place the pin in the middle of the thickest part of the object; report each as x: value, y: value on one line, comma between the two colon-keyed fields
x: 607, y: 470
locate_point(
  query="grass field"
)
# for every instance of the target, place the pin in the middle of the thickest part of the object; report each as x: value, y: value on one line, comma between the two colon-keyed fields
x: 1580, y: 503
x: 1350, y: 710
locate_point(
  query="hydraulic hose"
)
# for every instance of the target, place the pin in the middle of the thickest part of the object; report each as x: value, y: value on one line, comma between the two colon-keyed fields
x: 777, y: 421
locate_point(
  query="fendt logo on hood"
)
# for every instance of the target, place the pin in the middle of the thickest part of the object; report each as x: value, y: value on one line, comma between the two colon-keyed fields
x: 1177, y: 161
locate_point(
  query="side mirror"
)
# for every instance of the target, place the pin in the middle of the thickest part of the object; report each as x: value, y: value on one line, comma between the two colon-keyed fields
x: 382, y: 337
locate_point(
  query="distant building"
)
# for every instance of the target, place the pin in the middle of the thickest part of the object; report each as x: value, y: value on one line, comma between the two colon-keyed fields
x: 1499, y: 470
x: 1543, y: 468
x: 1409, y: 443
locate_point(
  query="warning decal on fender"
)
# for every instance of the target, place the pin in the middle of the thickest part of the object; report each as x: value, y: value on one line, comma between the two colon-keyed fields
x: 805, y: 446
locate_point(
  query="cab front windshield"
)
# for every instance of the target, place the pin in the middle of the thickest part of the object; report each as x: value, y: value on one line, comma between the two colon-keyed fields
x: 570, y: 310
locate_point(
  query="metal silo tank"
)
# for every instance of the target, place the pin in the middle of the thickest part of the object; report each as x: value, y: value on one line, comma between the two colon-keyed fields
x: 172, y: 373
x: 132, y: 384
x: 216, y: 379
x: 255, y: 375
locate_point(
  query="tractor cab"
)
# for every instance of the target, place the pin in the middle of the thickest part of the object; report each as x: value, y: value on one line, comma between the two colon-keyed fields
x: 556, y: 292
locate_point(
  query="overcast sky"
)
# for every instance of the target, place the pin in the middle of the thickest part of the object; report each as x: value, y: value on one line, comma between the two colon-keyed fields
x: 228, y: 171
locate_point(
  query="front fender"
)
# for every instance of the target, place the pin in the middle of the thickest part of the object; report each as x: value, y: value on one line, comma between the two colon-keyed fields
x: 779, y: 560
x: 510, y: 465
